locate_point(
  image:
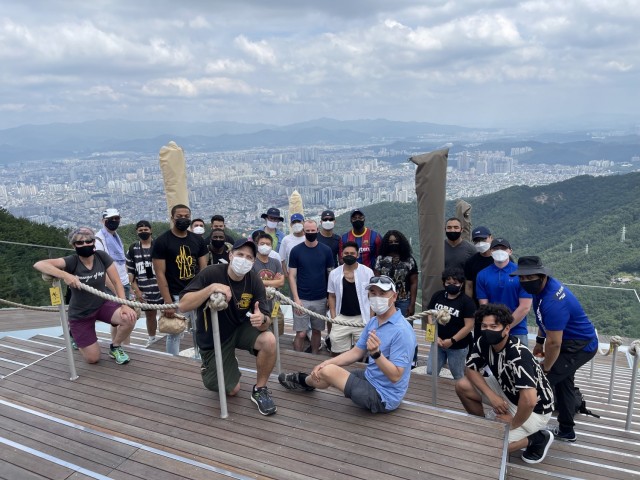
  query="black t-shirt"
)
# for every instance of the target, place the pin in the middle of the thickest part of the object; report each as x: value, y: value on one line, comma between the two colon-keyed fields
x: 181, y: 258
x: 350, y: 305
x: 333, y: 242
x: 83, y: 303
x: 459, y: 308
x: 473, y: 266
x: 246, y: 293
x: 515, y: 369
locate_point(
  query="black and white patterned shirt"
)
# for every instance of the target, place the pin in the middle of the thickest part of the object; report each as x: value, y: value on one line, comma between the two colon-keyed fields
x: 515, y: 368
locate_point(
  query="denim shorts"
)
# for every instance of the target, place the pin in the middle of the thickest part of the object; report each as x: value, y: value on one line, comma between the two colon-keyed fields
x: 363, y: 394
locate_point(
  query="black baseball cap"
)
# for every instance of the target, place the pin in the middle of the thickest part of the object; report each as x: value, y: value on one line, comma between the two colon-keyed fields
x: 327, y: 213
x: 245, y: 241
x: 500, y: 241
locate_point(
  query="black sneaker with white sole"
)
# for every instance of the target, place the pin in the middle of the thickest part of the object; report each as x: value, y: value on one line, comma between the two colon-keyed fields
x: 262, y: 398
x: 536, y: 452
x: 569, y: 436
x: 294, y: 381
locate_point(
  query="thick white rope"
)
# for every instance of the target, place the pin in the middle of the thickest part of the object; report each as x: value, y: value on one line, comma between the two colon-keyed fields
x: 634, y: 348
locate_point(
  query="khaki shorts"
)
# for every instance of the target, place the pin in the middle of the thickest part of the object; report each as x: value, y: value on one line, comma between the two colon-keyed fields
x: 244, y: 338
x: 534, y: 423
x: 343, y: 337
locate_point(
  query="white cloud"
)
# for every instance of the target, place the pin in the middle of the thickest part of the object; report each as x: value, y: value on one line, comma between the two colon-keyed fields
x: 260, y: 51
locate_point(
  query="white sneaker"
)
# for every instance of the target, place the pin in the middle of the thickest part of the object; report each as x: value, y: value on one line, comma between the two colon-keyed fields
x: 150, y: 341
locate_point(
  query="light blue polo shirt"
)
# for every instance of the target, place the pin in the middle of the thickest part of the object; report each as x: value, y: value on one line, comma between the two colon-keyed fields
x: 397, y: 344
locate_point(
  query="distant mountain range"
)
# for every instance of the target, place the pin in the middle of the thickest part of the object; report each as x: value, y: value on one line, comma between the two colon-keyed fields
x: 60, y: 140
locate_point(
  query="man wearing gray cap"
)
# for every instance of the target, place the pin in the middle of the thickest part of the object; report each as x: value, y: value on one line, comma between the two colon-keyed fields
x: 566, y: 336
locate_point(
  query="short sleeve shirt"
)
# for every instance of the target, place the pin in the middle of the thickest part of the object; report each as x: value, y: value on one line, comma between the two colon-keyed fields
x: 459, y: 308
x: 313, y: 265
x: 83, y: 303
x: 181, y: 258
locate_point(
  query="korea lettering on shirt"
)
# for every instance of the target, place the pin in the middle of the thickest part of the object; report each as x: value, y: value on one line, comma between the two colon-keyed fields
x: 454, y: 312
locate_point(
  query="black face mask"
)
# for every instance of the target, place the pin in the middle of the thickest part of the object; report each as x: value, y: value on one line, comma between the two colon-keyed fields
x: 357, y: 225
x: 533, y: 287
x: 453, y: 289
x: 492, y: 337
x: 182, y: 224
x: 311, y: 237
x: 393, y: 247
x: 86, y: 250
x: 217, y: 244
x: 144, y: 235
x: 349, y: 259
x: 453, y: 236
x: 112, y: 224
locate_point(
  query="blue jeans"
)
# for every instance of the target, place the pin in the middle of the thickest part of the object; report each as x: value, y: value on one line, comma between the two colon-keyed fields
x: 173, y: 340
x: 403, y: 306
x: 524, y: 339
x: 455, y: 358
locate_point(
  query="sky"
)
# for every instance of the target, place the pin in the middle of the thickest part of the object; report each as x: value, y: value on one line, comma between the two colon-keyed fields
x: 477, y: 63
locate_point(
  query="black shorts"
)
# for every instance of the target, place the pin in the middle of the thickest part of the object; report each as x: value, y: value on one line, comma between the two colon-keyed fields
x: 362, y: 393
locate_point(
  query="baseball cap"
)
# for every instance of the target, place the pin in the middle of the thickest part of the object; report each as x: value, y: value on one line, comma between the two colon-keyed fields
x: 356, y: 210
x: 500, y: 241
x: 245, y: 241
x: 273, y: 212
x: 110, y: 212
x: 297, y: 217
x: 480, y: 232
x: 328, y: 213
x: 384, y: 282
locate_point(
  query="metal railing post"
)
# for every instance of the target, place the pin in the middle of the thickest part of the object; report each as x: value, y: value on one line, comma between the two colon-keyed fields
x: 222, y: 393
x: 65, y: 330
x: 434, y: 367
x: 591, y: 368
x: 276, y: 332
x: 613, y: 372
x: 632, y: 391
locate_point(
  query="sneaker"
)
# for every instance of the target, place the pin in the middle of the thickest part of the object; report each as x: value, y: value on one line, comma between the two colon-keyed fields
x: 536, y: 452
x: 120, y: 356
x: 327, y: 343
x: 150, y: 341
x: 262, y: 398
x: 569, y: 436
x: 74, y: 345
x: 292, y: 381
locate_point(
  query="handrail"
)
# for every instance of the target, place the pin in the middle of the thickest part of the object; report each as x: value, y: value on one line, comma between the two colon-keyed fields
x: 36, y: 245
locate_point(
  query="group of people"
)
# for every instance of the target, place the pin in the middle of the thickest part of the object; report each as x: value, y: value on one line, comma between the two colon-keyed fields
x: 359, y: 277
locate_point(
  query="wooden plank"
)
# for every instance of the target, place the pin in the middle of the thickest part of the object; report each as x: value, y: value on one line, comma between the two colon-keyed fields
x: 13, y: 319
x: 37, y: 347
x: 17, y: 464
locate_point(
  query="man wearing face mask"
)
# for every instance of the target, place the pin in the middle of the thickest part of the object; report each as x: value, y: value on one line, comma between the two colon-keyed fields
x: 218, y: 248
x: 197, y: 227
x: 269, y: 269
x: 494, y: 284
x: 272, y: 217
x: 326, y: 236
x: 566, y: 337
x: 518, y: 391
x: 309, y: 265
x: 456, y: 249
x: 108, y: 240
x: 142, y: 277
x: 244, y: 324
x: 296, y: 237
x: 348, y: 299
x: 178, y: 255
x: 389, y: 341
x: 368, y: 240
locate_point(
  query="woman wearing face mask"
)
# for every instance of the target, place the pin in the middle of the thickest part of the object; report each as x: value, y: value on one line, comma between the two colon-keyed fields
x: 395, y: 261
x: 92, y: 268
x: 454, y: 338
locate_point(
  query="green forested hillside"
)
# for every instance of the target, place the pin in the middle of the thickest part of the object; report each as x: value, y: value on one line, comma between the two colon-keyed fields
x: 544, y: 221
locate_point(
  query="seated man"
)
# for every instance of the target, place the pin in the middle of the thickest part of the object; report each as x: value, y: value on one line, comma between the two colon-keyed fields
x: 243, y: 324
x: 518, y: 391
x: 390, y: 342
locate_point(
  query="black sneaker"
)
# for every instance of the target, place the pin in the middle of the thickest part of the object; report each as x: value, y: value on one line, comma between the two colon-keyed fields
x: 569, y: 436
x: 327, y: 343
x: 536, y: 452
x: 262, y: 398
x: 292, y: 381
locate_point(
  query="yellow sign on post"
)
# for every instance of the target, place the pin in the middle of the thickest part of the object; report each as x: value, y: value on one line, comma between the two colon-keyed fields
x: 54, y: 293
x: 430, y: 334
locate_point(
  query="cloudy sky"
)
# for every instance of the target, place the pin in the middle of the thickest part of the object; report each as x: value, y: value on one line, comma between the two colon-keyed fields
x: 466, y: 62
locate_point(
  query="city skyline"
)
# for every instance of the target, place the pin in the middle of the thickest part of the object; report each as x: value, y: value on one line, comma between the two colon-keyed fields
x: 489, y: 64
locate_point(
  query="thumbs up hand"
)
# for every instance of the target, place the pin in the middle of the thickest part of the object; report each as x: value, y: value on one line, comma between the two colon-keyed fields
x: 257, y: 318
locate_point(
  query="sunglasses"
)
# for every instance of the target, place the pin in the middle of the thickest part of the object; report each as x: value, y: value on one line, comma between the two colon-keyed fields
x: 328, y: 219
x: 83, y: 242
x: 383, y: 279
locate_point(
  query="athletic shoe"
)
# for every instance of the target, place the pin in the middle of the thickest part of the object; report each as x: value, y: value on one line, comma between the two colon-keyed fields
x: 569, y: 436
x: 327, y: 343
x: 150, y: 341
x: 293, y: 381
x: 74, y: 345
x: 120, y: 356
x: 262, y: 398
x: 536, y: 452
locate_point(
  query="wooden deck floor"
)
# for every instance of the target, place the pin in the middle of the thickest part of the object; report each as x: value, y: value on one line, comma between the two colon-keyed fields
x: 129, y: 428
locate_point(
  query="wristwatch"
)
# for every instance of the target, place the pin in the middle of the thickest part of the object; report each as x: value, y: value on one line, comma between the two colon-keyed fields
x: 376, y: 355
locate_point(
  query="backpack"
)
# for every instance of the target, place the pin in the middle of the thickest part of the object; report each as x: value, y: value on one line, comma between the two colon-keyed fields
x: 581, y: 404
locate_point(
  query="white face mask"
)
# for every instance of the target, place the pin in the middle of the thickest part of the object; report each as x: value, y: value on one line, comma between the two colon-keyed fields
x: 271, y: 224
x: 482, y: 246
x: 500, y: 256
x: 379, y: 305
x: 241, y: 266
x: 264, y: 249
x: 328, y: 225
x: 297, y: 227
x: 198, y: 230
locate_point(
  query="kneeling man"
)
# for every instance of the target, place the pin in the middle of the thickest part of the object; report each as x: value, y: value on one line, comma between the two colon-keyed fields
x: 518, y: 391
x: 243, y: 324
x: 390, y: 342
